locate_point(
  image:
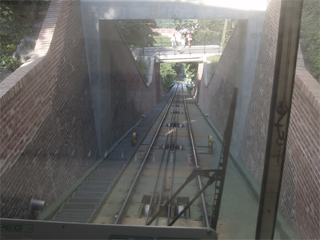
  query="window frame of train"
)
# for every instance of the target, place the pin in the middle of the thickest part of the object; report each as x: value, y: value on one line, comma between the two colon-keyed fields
x: 272, y: 176
x: 30, y: 229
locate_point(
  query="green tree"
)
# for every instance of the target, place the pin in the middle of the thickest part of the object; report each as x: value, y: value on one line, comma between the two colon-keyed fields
x: 310, y: 35
x: 191, y: 70
x: 205, y: 31
x: 168, y: 74
x: 138, y: 33
x: 15, y: 23
x: 165, y: 23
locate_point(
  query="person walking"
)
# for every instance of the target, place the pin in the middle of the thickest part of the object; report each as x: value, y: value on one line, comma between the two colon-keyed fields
x: 189, y: 36
x: 183, y: 41
x: 173, y: 41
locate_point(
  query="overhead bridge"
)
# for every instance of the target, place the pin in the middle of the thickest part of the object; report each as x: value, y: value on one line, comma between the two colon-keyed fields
x: 178, y: 54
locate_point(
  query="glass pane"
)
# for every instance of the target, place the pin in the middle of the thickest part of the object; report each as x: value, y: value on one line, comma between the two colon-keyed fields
x: 119, y: 116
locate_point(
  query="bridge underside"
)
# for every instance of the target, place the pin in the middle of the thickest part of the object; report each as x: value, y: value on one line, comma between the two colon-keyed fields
x: 188, y: 9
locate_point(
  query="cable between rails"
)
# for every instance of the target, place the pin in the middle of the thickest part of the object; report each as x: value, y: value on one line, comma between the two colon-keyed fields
x: 119, y: 215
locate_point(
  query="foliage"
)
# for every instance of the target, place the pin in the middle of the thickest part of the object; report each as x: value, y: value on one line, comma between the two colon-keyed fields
x: 165, y: 23
x: 191, y: 69
x: 138, y: 33
x: 13, y: 27
x: 310, y: 35
x: 205, y: 31
x: 214, y: 60
x: 162, y: 41
x: 12, y: 63
x: 143, y: 69
x: 168, y: 74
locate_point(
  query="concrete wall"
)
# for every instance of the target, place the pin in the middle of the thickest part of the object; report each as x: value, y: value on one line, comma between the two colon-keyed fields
x: 215, y: 98
x: 126, y: 94
x: 48, y: 135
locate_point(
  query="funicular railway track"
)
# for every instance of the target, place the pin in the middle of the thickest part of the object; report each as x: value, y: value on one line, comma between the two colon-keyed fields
x: 157, y: 170
x: 153, y: 178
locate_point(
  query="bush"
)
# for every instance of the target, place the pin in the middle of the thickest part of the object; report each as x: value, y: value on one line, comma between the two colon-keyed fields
x: 310, y: 35
x: 13, y: 28
x: 168, y: 74
x: 214, y: 60
x: 143, y: 69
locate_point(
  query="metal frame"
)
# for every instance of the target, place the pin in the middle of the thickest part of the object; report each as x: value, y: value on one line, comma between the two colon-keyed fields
x: 27, y: 229
x: 284, y: 74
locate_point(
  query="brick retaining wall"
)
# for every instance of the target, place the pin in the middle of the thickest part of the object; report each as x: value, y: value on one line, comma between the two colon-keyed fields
x: 48, y: 133
x: 300, y: 193
x: 252, y: 151
x: 300, y: 196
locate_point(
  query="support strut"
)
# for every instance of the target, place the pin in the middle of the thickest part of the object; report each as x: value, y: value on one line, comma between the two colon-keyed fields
x: 196, y: 172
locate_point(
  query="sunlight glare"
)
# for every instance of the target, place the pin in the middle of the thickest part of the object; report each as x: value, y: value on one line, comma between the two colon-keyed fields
x: 256, y: 5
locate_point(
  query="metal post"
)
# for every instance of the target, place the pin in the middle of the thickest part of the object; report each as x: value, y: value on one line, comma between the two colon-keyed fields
x: 284, y: 74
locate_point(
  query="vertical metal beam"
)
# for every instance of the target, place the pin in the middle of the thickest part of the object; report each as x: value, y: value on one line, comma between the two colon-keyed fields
x: 224, y: 156
x: 284, y: 74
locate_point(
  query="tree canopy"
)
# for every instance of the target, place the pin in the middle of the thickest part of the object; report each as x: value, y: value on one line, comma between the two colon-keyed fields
x: 206, y: 31
x: 310, y: 35
x: 138, y: 33
x: 16, y: 19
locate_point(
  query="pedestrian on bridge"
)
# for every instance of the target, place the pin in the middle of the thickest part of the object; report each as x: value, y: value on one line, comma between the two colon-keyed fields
x: 189, y: 36
x: 173, y: 41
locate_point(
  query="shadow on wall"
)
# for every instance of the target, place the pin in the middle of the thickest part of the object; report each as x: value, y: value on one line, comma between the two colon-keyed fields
x: 214, y: 98
x: 125, y: 96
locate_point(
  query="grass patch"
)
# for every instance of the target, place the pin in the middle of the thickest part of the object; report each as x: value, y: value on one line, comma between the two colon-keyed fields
x: 213, y: 62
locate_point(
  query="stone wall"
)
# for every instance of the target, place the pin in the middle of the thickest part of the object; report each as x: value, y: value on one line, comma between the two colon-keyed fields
x: 47, y: 125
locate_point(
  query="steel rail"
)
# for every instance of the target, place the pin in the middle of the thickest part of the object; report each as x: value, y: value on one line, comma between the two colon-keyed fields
x: 165, y: 171
x: 159, y: 168
x: 196, y: 162
x: 119, y: 215
x: 172, y: 172
x: 175, y: 117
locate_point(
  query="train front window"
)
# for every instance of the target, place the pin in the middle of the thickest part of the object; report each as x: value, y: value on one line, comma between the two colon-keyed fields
x: 157, y: 120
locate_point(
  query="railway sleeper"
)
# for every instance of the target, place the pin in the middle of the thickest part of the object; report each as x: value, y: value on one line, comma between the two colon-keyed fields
x: 172, y: 147
x: 174, y: 124
x: 176, y: 207
x: 176, y: 112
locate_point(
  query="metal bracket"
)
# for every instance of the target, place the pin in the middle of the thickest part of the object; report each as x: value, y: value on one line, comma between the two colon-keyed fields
x: 196, y: 172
